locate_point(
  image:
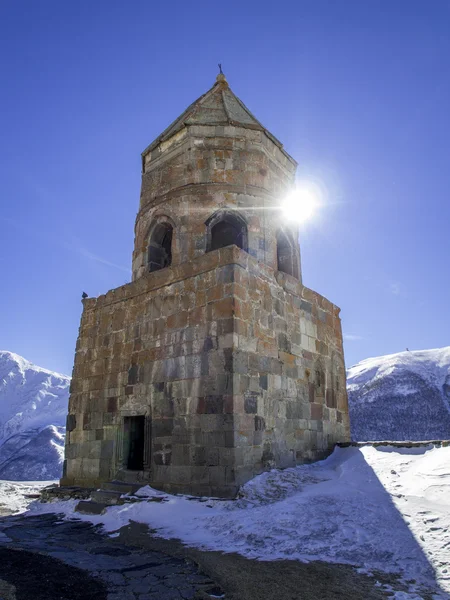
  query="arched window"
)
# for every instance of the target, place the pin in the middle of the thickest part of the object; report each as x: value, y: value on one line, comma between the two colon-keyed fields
x: 226, y: 229
x: 160, y: 247
x: 285, y: 254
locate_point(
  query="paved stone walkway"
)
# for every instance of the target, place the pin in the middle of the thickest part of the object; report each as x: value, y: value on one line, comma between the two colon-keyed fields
x: 125, y: 572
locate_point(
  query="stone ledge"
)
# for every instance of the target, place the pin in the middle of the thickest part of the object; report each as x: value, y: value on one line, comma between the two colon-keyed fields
x: 63, y: 492
x: 231, y: 255
x: 171, y: 275
x: 396, y: 444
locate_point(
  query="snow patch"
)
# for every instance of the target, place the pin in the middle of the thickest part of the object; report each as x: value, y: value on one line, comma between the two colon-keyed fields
x: 361, y: 506
x: 13, y: 495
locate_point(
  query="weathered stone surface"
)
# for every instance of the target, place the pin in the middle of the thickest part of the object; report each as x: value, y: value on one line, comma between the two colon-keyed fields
x: 37, y: 551
x: 233, y: 365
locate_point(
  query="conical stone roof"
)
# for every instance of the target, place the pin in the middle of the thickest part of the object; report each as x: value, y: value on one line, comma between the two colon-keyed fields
x: 218, y: 106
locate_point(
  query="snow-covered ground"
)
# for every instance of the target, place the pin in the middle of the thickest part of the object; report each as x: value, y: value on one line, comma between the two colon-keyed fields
x: 13, y: 495
x: 377, y: 508
x: 404, y: 396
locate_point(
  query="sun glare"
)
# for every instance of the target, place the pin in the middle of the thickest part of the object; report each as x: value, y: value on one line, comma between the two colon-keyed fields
x: 301, y: 204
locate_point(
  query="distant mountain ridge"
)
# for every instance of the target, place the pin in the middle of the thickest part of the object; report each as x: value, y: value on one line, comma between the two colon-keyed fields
x: 404, y: 396
x: 33, y: 410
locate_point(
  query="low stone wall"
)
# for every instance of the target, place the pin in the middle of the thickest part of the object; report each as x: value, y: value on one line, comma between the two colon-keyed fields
x: 402, y: 444
x: 54, y: 492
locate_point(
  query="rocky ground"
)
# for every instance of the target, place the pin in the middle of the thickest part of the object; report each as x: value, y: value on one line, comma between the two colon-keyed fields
x: 44, y: 558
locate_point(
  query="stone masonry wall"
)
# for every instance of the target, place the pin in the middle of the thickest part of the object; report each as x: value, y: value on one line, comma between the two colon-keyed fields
x: 206, y: 169
x: 235, y: 368
x: 290, y: 400
x: 155, y: 348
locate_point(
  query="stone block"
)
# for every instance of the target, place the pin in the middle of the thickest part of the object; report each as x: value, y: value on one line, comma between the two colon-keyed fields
x: 111, y: 405
x: 225, y: 326
x: 196, y: 366
x: 162, y: 427
x: 263, y: 382
x: 330, y: 398
x: 223, y: 309
x: 250, y: 403
x: 217, y: 476
x: 181, y: 453
x: 316, y: 411
x: 200, y: 475
x: 72, y: 451
x: 213, y: 405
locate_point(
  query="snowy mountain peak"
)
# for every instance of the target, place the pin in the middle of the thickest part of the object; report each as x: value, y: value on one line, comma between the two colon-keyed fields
x: 433, y: 365
x: 401, y: 396
x: 30, y: 397
x: 11, y: 363
x: 33, y: 409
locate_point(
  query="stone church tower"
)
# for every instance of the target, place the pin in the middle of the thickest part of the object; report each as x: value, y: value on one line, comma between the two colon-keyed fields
x: 215, y: 363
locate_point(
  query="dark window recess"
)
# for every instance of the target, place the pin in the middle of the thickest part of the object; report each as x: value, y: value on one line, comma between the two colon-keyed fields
x: 285, y: 254
x: 226, y: 229
x: 133, y: 373
x: 318, y: 378
x: 71, y: 422
x: 226, y: 233
x: 134, y: 438
x: 160, y: 247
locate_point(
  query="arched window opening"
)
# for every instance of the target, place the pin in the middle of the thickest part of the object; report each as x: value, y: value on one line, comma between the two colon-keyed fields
x: 225, y: 229
x: 285, y: 254
x: 224, y: 234
x: 160, y: 247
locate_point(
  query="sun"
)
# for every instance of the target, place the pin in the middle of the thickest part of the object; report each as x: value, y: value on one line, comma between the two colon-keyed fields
x: 301, y: 204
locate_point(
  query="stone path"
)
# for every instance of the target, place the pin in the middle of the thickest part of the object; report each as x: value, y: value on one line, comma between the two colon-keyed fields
x: 90, y: 558
x: 43, y: 558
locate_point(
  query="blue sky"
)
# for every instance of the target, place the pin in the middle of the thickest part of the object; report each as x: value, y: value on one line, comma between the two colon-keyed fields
x: 358, y: 92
